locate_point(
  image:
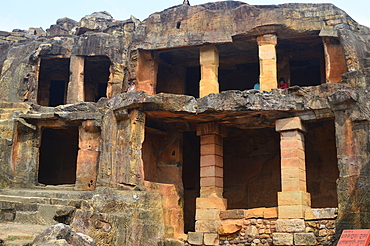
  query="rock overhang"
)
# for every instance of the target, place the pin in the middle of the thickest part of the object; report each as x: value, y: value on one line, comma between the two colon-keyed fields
x: 242, y: 107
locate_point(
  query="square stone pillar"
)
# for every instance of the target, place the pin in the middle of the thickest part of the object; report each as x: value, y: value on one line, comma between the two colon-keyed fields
x: 75, y: 92
x: 209, y: 62
x: 147, y: 70
x: 210, y: 202
x: 293, y: 200
x: 88, y: 155
x: 267, y: 56
x: 335, y: 64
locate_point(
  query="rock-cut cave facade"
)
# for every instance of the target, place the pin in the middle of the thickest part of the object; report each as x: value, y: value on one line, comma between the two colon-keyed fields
x: 173, y: 130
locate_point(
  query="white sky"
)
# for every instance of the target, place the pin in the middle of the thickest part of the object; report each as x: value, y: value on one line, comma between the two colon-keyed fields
x: 23, y: 14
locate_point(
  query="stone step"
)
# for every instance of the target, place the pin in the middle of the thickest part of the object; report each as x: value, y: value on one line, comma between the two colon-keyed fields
x: 48, y: 193
x: 41, y: 200
x: 19, y: 234
x: 40, y: 206
x: 34, y: 213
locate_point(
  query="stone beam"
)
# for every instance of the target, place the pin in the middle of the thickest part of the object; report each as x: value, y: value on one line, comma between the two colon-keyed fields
x: 76, y: 80
x: 209, y: 62
x: 335, y: 64
x: 293, y: 200
x: 147, y: 69
x: 267, y: 56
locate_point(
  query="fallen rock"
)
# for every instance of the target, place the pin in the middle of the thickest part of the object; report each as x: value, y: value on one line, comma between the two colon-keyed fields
x: 61, y: 234
x: 229, y: 227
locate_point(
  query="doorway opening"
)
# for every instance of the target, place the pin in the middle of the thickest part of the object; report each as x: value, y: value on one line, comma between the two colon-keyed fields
x: 178, y: 71
x: 96, y: 77
x: 58, y: 156
x: 53, y: 81
x: 301, y: 60
x: 171, y: 160
x: 251, y: 168
x: 239, y: 65
x: 321, y: 164
x: 191, y: 178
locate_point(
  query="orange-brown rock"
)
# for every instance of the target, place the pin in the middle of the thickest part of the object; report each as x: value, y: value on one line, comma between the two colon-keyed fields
x: 229, y: 227
x: 139, y: 132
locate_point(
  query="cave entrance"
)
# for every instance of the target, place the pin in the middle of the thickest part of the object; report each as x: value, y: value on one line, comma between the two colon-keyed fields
x: 251, y: 168
x: 53, y: 81
x: 172, y: 162
x: 178, y: 71
x: 190, y: 178
x: 301, y: 60
x: 96, y: 77
x: 58, y: 156
x: 239, y: 65
x: 321, y: 163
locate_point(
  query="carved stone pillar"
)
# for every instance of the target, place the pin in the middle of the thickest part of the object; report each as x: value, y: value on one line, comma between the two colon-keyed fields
x: 335, y: 64
x: 210, y: 201
x: 75, y: 91
x: 267, y: 56
x: 147, y: 70
x: 293, y: 200
x: 88, y: 156
x: 209, y: 62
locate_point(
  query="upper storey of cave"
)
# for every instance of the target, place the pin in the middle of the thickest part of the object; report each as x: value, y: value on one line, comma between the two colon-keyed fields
x: 102, y: 57
x: 226, y: 21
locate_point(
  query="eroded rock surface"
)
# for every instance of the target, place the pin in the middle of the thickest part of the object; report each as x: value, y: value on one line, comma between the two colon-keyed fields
x: 151, y: 132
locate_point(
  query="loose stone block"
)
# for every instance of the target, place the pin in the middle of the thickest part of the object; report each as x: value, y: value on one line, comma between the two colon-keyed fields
x: 290, y: 225
x: 228, y: 227
x: 270, y: 213
x: 292, y: 211
x: 324, y: 213
x: 254, y: 213
x: 211, y: 239
x: 304, y: 239
x: 207, y: 225
x: 232, y: 214
x: 211, y: 202
x: 207, y: 214
x: 308, y: 214
x: 195, y: 238
x: 282, y: 238
x: 294, y: 198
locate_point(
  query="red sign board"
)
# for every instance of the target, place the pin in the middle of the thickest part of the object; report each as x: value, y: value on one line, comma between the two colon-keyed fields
x: 359, y: 237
